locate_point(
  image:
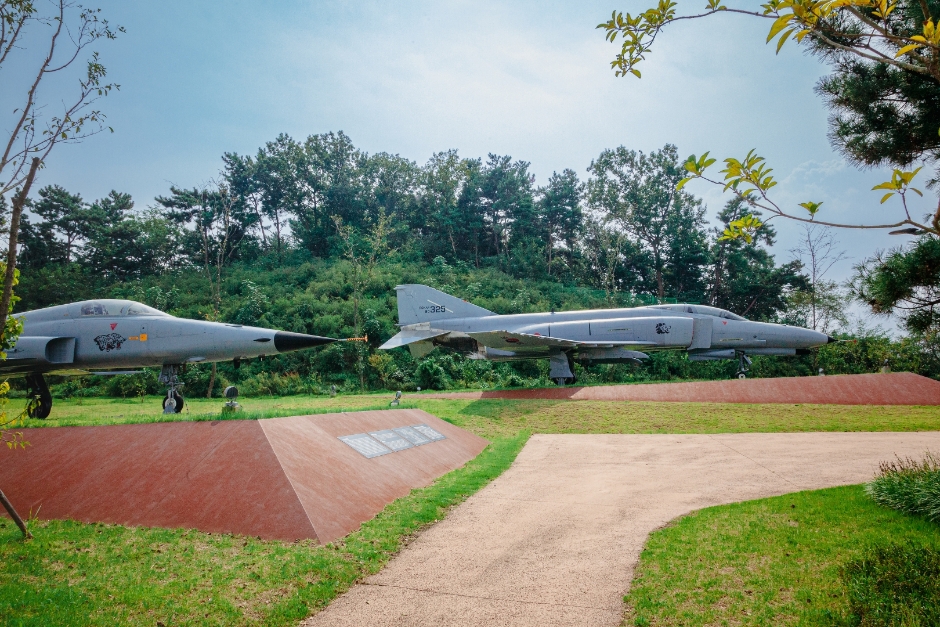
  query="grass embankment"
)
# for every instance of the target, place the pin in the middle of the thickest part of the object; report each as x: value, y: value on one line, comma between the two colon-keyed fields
x: 501, y: 417
x: 81, y: 574
x: 773, y: 561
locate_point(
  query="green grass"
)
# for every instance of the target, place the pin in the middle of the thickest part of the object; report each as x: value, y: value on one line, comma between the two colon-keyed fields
x: 95, y: 574
x: 501, y: 417
x: 773, y: 561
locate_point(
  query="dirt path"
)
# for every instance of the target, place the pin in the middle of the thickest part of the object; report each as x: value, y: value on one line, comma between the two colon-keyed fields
x: 555, y: 539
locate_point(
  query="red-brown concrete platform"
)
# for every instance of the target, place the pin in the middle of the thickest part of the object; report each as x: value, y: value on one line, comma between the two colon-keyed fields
x: 281, y: 478
x: 896, y: 388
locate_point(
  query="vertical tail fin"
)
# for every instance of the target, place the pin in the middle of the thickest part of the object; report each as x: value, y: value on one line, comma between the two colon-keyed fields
x: 420, y: 303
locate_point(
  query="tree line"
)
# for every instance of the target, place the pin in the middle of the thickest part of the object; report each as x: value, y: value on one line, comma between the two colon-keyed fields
x: 625, y: 229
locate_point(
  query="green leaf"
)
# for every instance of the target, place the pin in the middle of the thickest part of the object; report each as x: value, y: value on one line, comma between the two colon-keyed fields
x: 886, y: 197
x: 683, y: 182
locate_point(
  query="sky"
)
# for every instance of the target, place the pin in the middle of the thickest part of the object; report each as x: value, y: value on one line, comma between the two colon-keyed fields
x: 526, y: 79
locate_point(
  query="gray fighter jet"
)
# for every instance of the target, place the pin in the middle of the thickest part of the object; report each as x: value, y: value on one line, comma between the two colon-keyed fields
x: 429, y: 318
x: 95, y: 335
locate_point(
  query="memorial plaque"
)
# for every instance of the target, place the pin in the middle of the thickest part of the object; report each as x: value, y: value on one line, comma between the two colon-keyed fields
x: 428, y: 432
x: 412, y: 436
x: 365, y: 445
x: 391, y: 439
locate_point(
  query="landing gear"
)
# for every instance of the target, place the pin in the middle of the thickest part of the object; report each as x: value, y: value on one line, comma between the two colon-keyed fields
x: 561, y: 369
x: 40, y: 403
x: 173, y: 401
x: 744, y: 363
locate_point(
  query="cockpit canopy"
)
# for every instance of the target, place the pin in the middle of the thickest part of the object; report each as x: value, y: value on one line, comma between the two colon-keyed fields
x: 112, y: 307
x: 703, y: 310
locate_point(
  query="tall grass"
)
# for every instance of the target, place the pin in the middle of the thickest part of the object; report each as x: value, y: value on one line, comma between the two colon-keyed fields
x: 909, y: 485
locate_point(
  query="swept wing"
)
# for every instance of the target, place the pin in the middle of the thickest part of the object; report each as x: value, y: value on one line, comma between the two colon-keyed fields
x: 510, y: 340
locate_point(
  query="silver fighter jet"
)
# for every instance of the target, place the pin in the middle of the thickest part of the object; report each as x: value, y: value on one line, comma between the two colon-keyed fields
x: 429, y: 318
x: 90, y: 336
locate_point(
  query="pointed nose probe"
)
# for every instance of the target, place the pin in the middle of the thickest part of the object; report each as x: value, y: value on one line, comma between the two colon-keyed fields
x: 285, y: 341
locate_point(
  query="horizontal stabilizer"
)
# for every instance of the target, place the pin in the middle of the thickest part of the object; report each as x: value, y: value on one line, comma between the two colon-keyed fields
x: 409, y: 336
x: 509, y: 340
x: 420, y: 303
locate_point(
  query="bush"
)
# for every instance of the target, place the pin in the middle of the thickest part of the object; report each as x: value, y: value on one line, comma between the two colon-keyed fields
x: 894, y: 585
x: 430, y: 376
x: 274, y: 384
x: 909, y: 486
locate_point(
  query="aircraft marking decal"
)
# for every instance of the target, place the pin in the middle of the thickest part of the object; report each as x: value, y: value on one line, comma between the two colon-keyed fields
x: 434, y: 308
x: 110, y: 342
x: 113, y: 325
x: 662, y: 328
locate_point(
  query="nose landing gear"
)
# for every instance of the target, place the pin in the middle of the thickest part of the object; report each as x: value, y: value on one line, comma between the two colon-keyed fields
x: 744, y: 363
x: 173, y: 401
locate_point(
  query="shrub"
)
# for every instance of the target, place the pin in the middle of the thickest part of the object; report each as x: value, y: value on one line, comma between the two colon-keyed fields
x: 274, y: 384
x: 910, y: 486
x: 430, y: 376
x: 894, y: 585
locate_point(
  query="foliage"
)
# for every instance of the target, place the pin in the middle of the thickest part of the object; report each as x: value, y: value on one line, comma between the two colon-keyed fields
x: 636, y: 194
x: 910, y: 486
x: 430, y: 376
x: 904, y: 280
x: 894, y: 585
x: 886, y: 60
x: 57, y: 33
x: 11, y: 330
x: 774, y: 561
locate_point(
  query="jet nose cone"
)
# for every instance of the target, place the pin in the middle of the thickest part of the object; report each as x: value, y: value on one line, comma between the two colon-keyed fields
x: 830, y: 339
x: 285, y: 341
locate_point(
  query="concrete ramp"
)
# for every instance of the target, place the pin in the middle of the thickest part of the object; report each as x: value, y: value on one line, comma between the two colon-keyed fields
x: 897, y: 388
x: 281, y: 478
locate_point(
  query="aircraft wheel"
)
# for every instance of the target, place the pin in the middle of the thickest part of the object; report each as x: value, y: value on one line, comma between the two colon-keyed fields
x: 741, y: 375
x: 179, y: 402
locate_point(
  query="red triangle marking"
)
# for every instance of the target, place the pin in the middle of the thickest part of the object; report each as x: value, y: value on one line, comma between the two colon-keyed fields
x: 113, y: 325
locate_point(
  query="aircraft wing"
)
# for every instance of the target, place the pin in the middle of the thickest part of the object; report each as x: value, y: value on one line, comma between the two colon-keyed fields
x: 510, y: 340
x: 409, y: 336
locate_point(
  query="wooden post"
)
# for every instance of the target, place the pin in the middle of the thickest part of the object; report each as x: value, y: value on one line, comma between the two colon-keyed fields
x: 16, y: 517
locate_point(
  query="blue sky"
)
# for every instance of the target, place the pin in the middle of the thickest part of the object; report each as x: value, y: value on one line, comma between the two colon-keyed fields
x: 528, y: 79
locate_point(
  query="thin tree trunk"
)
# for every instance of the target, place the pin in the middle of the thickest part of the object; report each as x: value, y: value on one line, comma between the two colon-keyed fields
x: 16, y: 517
x: 211, y: 380
x: 18, y: 202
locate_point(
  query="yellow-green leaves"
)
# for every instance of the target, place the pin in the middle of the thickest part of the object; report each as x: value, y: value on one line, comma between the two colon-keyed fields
x: 748, y: 175
x: 812, y: 207
x: 827, y: 20
x: 638, y: 33
x: 744, y: 228
x: 899, y: 184
x: 696, y: 167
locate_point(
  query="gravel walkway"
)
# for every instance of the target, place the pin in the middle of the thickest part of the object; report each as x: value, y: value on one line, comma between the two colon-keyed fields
x: 555, y: 539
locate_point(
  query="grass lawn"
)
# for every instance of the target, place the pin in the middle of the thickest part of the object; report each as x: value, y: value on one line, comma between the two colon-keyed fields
x: 492, y: 418
x: 768, y: 562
